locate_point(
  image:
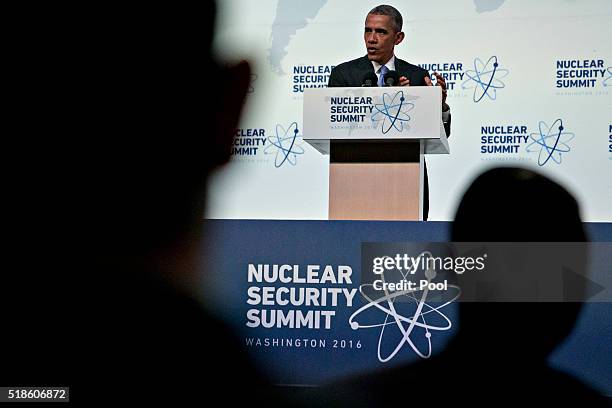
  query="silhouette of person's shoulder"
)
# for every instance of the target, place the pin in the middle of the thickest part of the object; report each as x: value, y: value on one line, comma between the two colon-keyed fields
x: 156, y: 343
x: 446, y: 380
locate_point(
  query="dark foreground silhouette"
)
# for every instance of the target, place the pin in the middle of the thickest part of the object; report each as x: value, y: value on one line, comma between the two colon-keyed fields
x: 499, y: 353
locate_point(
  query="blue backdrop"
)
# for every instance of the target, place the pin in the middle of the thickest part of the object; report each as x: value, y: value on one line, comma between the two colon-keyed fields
x: 233, y: 245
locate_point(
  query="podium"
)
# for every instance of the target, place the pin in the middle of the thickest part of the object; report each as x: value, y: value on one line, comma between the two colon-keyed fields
x: 376, y: 139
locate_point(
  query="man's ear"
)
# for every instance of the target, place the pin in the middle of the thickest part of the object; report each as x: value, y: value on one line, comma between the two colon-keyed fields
x: 399, y: 37
x: 235, y: 81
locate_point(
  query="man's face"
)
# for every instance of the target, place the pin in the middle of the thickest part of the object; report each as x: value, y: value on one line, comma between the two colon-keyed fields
x: 380, y: 38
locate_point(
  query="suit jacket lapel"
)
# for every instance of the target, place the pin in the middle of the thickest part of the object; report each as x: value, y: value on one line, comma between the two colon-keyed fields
x: 365, y: 65
x: 401, y: 66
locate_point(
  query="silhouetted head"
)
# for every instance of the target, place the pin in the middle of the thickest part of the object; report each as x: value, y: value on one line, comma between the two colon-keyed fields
x: 511, y: 204
x: 127, y: 114
x: 517, y: 205
x: 166, y: 117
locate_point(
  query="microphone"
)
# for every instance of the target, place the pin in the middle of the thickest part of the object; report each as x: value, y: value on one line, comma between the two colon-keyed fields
x: 369, y: 80
x: 391, y: 78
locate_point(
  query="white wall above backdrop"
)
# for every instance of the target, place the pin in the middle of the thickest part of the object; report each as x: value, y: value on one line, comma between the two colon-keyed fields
x: 529, y: 84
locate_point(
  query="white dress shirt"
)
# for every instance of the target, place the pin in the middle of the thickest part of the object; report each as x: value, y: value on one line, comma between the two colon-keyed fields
x: 390, y: 65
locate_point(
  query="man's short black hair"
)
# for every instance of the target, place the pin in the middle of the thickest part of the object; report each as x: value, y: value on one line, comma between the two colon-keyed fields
x: 396, y: 17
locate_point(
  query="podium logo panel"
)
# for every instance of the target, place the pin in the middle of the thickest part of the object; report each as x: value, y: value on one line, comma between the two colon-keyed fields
x: 372, y: 113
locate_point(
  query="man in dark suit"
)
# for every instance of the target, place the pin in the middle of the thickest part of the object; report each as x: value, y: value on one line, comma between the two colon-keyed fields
x: 383, y: 31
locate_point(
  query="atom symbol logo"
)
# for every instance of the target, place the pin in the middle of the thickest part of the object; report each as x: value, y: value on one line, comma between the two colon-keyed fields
x: 551, y: 142
x: 609, y: 77
x: 284, y: 144
x: 406, y: 325
x: 485, y: 79
x: 393, y: 113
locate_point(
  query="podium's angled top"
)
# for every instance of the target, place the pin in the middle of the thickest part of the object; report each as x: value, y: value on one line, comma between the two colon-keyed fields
x: 374, y: 115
